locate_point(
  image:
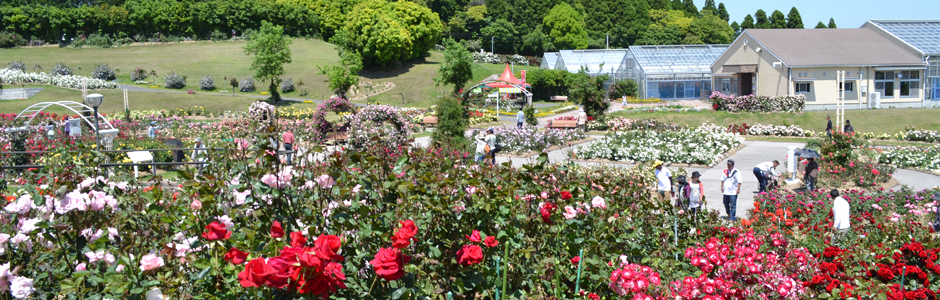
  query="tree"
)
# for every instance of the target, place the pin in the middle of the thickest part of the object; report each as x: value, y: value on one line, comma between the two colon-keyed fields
x: 710, y: 5
x: 832, y: 23
x: 446, y: 9
x: 736, y: 27
x: 535, y: 42
x: 457, y: 68
x: 660, y: 4
x: 748, y: 23
x: 622, y: 88
x: 820, y: 25
x: 711, y: 29
x: 452, y: 121
x: 346, y: 74
x: 565, y: 26
x: 778, y: 20
x: 760, y: 20
x: 588, y: 92
x: 386, y: 33
x: 723, y: 13
x: 690, y: 8
x: 502, y: 34
x: 271, y: 50
x: 794, y: 20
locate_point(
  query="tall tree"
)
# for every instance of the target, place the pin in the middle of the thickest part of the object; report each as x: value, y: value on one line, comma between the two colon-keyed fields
x: 502, y: 35
x: 736, y: 27
x: 346, y: 74
x: 690, y: 8
x: 760, y: 20
x: 271, y: 50
x: 832, y: 23
x: 565, y: 27
x: 457, y: 68
x: 723, y: 13
x: 794, y: 20
x: 778, y: 20
x: 710, y: 5
x: 446, y: 9
x: 660, y: 4
x: 535, y: 43
x: 748, y: 23
x: 821, y: 25
x: 711, y: 29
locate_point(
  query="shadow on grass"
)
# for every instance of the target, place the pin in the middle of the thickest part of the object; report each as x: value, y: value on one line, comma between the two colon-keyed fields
x: 393, y: 71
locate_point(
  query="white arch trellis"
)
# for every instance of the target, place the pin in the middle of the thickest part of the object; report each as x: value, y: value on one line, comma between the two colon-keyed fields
x: 107, y: 131
x: 528, y: 95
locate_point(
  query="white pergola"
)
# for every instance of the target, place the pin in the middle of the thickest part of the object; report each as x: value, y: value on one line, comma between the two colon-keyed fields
x: 23, y: 120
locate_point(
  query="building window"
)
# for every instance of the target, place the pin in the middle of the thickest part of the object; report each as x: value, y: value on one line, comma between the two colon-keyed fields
x: 802, y: 87
x: 849, y: 86
x: 910, y: 82
x: 884, y: 83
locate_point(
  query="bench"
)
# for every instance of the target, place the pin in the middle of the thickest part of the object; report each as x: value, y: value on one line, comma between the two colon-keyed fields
x: 572, y: 124
x: 558, y: 98
x: 429, y: 121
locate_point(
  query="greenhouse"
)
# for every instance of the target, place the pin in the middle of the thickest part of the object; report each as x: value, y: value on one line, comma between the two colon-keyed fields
x: 597, y: 62
x: 548, y: 61
x: 924, y: 37
x: 671, y: 72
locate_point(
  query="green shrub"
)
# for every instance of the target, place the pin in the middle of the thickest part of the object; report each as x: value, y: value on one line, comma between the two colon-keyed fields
x: 206, y: 83
x: 98, y: 40
x: 139, y: 74
x: 10, y: 40
x: 627, y: 87
x: 451, y: 123
x: 530, y: 118
x: 246, y: 85
x: 287, y: 85
x: 171, y: 80
x: 103, y: 72
x: 61, y: 69
x: 17, y: 65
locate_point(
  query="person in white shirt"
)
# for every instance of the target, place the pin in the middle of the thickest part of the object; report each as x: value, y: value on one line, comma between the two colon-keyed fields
x: 582, y: 120
x: 664, y: 177
x: 480, y: 140
x: 840, y: 212
x: 199, y: 155
x: 694, y: 191
x: 730, y: 188
x: 764, y: 170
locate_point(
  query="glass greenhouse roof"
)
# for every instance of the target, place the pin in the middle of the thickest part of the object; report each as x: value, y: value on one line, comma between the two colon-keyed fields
x: 678, y: 59
x: 548, y: 61
x: 573, y: 60
x: 923, y: 35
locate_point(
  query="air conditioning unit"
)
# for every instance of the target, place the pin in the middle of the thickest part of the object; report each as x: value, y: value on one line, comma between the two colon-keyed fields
x: 874, y: 100
x: 777, y: 64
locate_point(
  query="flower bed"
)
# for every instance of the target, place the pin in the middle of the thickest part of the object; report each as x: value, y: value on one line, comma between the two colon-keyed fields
x: 753, y: 103
x: 68, y: 81
x: 703, y: 145
x: 663, y: 108
x: 531, y: 139
x: 775, y: 130
x: 911, y: 157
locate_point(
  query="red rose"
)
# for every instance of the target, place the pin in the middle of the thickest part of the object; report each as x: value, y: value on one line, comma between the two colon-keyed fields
x: 216, y: 231
x: 565, y: 195
x: 575, y: 260
x: 297, y: 239
x: 280, y: 270
x: 403, y: 236
x: 276, y: 230
x: 470, y: 255
x: 235, y: 256
x: 490, y: 241
x: 546, y: 211
x: 310, y: 260
x: 389, y: 264
x: 326, y: 247
x: 255, y: 274
x: 474, y: 237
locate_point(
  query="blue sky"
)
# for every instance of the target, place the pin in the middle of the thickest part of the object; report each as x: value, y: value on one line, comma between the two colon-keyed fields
x: 847, y: 13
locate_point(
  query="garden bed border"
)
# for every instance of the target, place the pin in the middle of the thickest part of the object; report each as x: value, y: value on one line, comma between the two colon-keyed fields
x: 724, y: 156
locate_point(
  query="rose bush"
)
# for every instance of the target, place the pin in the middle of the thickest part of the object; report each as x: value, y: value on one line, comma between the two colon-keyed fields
x: 703, y: 145
x: 753, y: 103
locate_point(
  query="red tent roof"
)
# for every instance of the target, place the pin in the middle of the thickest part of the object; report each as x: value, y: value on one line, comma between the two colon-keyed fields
x: 508, y: 77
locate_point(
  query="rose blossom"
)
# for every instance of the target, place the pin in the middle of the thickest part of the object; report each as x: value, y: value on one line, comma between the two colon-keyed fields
x: 21, y: 287
x: 196, y: 205
x: 235, y: 256
x: 241, y: 196
x: 490, y: 241
x: 389, y: 264
x: 150, y: 261
x: 216, y: 231
x: 255, y: 274
x: 297, y: 239
x: 276, y: 230
x: 470, y: 255
x: 405, y: 234
x: 598, y: 202
x: 325, y: 181
x: 570, y: 212
x: 227, y: 221
x: 474, y: 237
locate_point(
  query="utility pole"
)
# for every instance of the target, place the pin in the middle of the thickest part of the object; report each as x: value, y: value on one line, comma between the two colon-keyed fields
x: 608, y: 40
x: 491, y: 46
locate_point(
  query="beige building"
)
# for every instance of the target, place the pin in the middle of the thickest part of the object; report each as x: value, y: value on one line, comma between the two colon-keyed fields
x: 780, y: 62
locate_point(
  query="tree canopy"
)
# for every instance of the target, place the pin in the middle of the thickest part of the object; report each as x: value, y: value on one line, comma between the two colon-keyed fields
x: 386, y: 33
x: 271, y: 50
x: 832, y: 23
x: 345, y: 75
x: 821, y: 25
x: 565, y: 26
x: 778, y: 20
x: 794, y: 20
x: 457, y: 68
x: 760, y: 20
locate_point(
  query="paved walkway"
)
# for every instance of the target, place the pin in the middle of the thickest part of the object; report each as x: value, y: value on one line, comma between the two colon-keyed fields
x: 19, y: 93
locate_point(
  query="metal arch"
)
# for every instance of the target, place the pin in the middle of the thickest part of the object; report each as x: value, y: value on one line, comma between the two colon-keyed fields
x: 78, y: 108
x: 522, y: 88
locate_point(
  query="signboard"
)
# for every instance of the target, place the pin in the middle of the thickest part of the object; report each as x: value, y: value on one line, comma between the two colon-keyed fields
x: 75, y: 127
x: 140, y: 156
x: 523, y: 78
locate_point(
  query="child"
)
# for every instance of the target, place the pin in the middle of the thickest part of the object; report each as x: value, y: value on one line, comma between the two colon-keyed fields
x: 694, y: 192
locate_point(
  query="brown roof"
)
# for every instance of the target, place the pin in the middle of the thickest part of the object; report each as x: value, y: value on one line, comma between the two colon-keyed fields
x: 833, y: 47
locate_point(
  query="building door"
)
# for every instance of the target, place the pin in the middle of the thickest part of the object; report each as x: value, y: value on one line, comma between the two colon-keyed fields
x: 746, y: 83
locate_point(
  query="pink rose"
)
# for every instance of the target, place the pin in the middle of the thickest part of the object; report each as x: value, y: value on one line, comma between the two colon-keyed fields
x: 196, y: 205
x: 150, y: 261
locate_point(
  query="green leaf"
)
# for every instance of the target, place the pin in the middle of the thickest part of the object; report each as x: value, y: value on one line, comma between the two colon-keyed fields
x: 201, y: 263
x: 399, y: 292
x: 202, y: 274
x: 79, y: 274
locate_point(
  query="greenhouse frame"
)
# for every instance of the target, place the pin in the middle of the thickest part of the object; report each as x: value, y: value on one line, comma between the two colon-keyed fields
x: 671, y: 72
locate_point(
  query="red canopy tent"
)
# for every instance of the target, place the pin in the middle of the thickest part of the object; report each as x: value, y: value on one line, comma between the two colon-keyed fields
x: 508, y: 77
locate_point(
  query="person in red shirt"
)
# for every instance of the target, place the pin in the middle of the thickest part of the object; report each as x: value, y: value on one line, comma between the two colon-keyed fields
x: 288, y: 139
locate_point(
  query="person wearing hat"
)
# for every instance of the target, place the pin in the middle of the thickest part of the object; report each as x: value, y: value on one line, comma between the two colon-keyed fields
x: 199, y: 155
x: 694, y: 192
x: 848, y: 127
x: 152, y: 130
x: 664, y: 179
x: 730, y: 188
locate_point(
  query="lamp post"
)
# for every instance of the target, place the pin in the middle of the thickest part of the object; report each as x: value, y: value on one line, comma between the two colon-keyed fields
x: 95, y: 100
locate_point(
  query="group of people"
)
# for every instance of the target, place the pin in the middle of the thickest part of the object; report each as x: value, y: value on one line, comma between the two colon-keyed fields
x: 487, y: 145
x: 846, y: 129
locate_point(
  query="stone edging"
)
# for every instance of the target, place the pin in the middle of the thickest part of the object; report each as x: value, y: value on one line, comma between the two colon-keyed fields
x: 552, y: 148
x: 724, y: 156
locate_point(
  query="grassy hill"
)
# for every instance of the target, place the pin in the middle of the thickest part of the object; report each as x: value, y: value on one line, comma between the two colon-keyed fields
x: 224, y: 60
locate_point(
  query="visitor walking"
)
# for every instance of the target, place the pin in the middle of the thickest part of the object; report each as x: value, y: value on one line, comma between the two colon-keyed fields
x: 288, y: 139
x: 664, y: 179
x: 765, y: 171
x: 731, y: 187
x: 520, y: 117
x: 50, y: 130
x: 840, y: 213
x: 694, y: 192
x: 493, y: 143
x: 623, y: 102
x: 828, y: 127
x: 65, y: 126
x: 480, y: 140
x: 582, y: 120
x: 199, y: 155
x: 152, y: 130
x: 848, y: 127
x: 810, y: 173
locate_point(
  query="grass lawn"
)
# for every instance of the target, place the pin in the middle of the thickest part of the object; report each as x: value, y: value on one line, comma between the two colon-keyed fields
x: 227, y: 59
x: 879, y: 120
